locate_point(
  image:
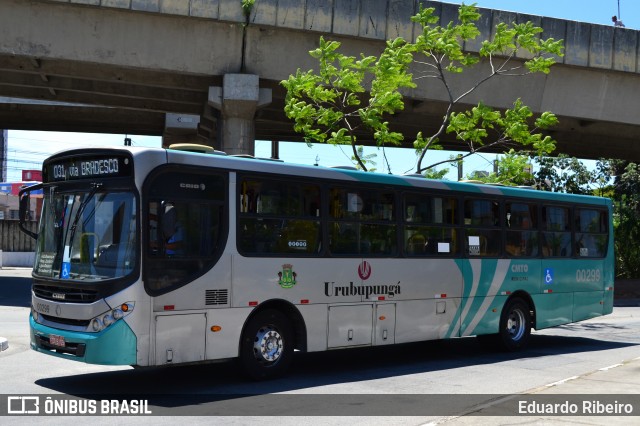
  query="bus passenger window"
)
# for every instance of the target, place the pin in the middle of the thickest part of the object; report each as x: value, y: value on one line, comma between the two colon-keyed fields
x: 277, y: 217
x: 556, y: 238
x: 522, y: 233
x: 363, y: 222
x: 481, y: 218
x: 591, y: 233
x: 427, y: 229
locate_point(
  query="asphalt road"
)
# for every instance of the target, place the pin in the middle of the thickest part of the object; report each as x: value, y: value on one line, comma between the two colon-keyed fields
x: 431, y: 382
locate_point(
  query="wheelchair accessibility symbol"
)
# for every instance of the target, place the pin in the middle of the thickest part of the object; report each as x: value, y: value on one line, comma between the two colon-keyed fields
x: 548, y: 276
x: 66, y: 267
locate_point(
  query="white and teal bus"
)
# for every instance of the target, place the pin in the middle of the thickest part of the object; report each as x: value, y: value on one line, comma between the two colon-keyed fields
x: 153, y: 257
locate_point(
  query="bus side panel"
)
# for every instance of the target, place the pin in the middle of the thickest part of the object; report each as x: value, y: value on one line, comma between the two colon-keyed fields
x: 225, y: 342
x: 138, y: 320
x: 483, y: 280
x: 609, y: 266
x: 179, y: 338
x: 522, y: 275
x: 554, y: 303
x: 588, y: 279
x: 429, y: 319
x: 487, y: 285
x: 316, y: 321
x: 553, y: 309
x: 294, y: 279
x: 608, y: 301
x: 587, y: 304
x: 490, y: 320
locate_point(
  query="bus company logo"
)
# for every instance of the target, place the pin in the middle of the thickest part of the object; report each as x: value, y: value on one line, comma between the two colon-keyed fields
x: 364, y: 270
x: 287, y: 278
x: 199, y: 186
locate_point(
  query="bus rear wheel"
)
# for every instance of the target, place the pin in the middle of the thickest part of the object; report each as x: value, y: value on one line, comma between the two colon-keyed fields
x: 266, y: 348
x: 515, y: 325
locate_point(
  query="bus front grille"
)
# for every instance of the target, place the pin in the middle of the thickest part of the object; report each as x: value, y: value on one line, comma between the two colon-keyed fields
x: 67, y: 321
x: 65, y: 294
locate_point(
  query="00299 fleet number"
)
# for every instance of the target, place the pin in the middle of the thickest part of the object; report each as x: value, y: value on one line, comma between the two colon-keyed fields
x: 588, y: 275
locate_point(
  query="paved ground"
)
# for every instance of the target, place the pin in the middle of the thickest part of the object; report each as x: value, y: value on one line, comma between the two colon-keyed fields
x: 615, y: 382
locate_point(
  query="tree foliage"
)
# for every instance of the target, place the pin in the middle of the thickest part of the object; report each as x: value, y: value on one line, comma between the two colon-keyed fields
x: 366, y: 159
x: 565, y: 174
x: 514, y: 169
x: 627, y: 227
x: 332, y: 106
x: 351, y: 96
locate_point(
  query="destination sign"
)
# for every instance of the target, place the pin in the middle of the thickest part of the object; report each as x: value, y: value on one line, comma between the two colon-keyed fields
x: 87, y: 167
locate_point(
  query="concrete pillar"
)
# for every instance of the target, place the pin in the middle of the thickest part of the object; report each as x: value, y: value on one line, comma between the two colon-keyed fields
x: 238, y: 100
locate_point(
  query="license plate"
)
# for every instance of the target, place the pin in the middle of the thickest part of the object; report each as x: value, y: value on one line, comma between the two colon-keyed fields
x: 55, y: 340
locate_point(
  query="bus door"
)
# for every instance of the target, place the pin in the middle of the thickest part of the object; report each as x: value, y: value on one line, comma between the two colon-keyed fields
x: 185, y: 235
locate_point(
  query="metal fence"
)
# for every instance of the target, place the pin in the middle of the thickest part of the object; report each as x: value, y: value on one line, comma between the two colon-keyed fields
x: 12, y: 239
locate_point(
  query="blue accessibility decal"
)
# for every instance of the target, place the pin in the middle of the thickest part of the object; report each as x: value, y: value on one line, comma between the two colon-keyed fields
x: 548, y: 276
x: 66, y: 269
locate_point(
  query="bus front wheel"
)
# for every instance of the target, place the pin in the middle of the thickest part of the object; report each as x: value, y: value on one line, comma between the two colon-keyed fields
x: 515, y: 325
x: 266, y: 348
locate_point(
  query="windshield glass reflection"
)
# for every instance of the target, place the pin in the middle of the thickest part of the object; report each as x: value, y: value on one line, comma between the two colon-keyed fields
x: 87, y: 235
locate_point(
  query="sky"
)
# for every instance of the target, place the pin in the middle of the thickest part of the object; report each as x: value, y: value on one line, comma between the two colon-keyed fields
x: 27, y: 150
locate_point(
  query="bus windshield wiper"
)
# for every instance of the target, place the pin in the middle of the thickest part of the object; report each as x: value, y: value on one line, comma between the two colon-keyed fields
x: 83, y: 205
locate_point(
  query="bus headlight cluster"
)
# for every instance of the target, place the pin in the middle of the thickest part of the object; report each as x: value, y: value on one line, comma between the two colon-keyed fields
x: 104, y: 320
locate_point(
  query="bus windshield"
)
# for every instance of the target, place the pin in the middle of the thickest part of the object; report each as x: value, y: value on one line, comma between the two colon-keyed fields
x: 87, y: 234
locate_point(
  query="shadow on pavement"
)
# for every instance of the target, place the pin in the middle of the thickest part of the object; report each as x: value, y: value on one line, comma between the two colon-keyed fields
x: 15, y: 291
x: 220, y: 387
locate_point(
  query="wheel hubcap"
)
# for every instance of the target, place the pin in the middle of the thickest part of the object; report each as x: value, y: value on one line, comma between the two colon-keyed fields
x: 268, y: 345
x: 516, y: 325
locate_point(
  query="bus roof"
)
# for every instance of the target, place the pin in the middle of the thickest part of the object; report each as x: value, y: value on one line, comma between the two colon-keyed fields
x: 346, y: 174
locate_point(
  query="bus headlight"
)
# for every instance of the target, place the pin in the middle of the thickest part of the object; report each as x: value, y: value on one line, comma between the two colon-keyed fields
x: 96, y: 324
x: 105, y: 319
x: 34, y: 313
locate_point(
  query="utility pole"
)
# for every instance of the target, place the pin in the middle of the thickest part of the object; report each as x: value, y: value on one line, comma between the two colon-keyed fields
x: 619, y: 17
x: 3, y: 155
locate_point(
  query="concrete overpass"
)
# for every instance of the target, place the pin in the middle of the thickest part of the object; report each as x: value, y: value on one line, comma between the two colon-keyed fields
x: 158, y: 67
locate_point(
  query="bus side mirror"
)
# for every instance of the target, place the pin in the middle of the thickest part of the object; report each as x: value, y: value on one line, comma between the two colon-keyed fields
x: 24, y: 213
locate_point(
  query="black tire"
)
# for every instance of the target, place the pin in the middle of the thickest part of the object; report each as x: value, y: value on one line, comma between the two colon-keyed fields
x: 515, y: 325
x: 266, y: 347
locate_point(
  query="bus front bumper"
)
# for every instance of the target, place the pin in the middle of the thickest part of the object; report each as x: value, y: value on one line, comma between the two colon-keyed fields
x: 115, y: 345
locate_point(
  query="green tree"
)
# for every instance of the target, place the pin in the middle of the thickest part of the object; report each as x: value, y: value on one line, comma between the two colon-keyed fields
x: 627, y: 226
x: 348, y: 97
x: 513, y: 170
x: 333, y: 105
x: 366, y: 159
x: 564, y: 174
